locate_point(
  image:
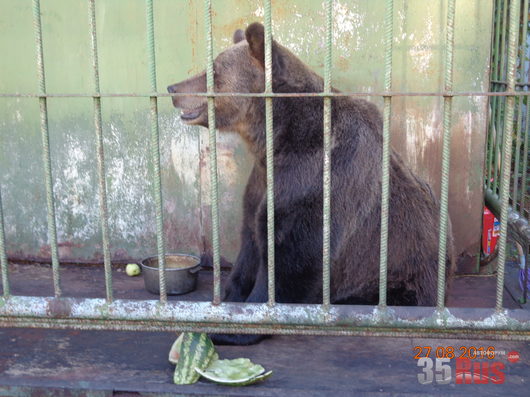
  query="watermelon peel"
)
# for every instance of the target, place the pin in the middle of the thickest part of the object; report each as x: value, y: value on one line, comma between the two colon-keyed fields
x: 191, y: 350
x: 174, y: 352
x: 237, y: 372
x: 194, y: 355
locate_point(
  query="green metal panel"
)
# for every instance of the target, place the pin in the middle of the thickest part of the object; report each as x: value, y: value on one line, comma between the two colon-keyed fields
x: 179, y: 31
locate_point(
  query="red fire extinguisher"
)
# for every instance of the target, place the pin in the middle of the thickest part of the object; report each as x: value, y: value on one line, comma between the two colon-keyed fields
x: 490, y: 232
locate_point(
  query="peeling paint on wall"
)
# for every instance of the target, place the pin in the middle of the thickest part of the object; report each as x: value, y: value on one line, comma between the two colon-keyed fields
x: 422, y: 131
x: 421, y: 51
x: 348, y: 25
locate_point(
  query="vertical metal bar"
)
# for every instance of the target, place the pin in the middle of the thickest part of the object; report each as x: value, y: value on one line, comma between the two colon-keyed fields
x: 515, y: 175
x: 525, y: 107
x: 326, y: 232
x: 491, y: 139
x: 507, y: 135
x: 446, y: 154
x: 497, y: 144
x: 385, y: 171
x: 155, y: 151
x: 494, y: 101
x: 52, y: 229
x: 103, y: 212
x: 497, y: 159
x: 500, y: 120
x: 504, y: 39
x: 214, y: 188
x: 524, y: 184
x: 525, y: 274
x: 519, y: 111
x: 269, y: 143
x: 3, y: 255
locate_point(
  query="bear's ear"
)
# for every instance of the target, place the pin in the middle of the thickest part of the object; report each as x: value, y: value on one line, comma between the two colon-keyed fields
x: 238, y: 36
x: 255, y: 35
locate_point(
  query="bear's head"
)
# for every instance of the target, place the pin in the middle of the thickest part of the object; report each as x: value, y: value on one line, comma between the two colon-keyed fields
x: 240, y: 69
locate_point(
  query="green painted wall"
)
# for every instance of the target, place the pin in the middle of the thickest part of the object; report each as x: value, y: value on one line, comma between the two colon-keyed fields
x: 180, y: 52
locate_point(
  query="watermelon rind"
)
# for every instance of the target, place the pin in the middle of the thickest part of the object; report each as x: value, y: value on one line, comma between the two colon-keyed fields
x: 236, y: 382
x: 237, y: 372
x: 174, y: 351
x: 195, y: 350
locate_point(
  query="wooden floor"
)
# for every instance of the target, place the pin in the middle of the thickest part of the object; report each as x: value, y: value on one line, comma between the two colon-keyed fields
x: 35, y: 362
x: 87, y: 281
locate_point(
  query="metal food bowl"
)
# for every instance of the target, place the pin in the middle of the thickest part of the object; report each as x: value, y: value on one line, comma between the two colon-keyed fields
x: 181, y: 273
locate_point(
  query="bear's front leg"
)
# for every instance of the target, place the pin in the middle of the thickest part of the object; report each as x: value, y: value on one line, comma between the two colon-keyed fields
x: 258, y: 294
x: 298, y: 267
x: 243, y: 274
x: 241, y: 281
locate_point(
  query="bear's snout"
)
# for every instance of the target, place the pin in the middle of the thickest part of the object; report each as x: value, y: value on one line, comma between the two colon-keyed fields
x: 192, y: 85
x: 193, y: 107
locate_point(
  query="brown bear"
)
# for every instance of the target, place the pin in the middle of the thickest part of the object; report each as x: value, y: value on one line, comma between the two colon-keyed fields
x: 356, y: 141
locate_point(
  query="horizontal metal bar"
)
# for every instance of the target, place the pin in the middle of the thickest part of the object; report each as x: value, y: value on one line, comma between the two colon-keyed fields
x: 49, y: 312
x: 506, y: 83
x: 125, y: 325
x: 268, y: 95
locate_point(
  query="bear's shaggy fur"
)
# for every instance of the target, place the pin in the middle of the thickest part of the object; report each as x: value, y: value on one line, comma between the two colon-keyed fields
x: 356, y: 141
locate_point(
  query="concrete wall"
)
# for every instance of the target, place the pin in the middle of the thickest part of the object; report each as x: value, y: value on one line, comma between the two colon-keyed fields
x: 180, y: 52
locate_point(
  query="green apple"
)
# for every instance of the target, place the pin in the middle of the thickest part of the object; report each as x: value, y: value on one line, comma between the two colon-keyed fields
x: 132, y: 269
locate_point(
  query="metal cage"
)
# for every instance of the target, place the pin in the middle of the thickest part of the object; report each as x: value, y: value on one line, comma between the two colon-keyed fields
x: 272, y: 317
